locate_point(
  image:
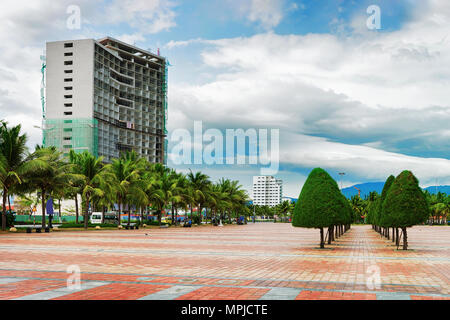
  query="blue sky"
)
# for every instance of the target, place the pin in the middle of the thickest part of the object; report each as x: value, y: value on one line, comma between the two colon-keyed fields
x: 366, y: 102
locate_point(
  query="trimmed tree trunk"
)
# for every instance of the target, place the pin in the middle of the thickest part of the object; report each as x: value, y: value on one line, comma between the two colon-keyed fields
x: 322, y: 242
x: 393, y: 234
x: 329, y: 234
x: 405, y: 239
x: 396, y: 237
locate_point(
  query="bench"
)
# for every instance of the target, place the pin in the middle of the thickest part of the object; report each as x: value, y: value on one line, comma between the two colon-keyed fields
x: 37, y: 228
x: 132, y: 226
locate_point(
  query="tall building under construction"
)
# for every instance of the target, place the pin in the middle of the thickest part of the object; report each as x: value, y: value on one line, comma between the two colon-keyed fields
x: 107, y: 97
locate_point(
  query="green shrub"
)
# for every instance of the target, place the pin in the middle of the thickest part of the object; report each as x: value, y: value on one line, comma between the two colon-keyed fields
x: 155, y: 223
x: 90, y: 225
x: 10, y: 218
x: 196, y: 219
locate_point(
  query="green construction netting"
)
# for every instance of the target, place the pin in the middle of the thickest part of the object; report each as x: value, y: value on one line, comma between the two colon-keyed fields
x: 83, y: 134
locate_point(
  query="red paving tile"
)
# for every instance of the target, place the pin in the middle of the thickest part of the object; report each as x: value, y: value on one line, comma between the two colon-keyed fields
x: 114, y: 291
x: 27, y: 287
x: 262, y: 254
x: 428, y: 298
x: 220, y: 293
x: 333, y: 295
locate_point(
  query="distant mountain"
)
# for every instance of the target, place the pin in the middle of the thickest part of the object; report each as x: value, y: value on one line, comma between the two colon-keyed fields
x: 290, y: 199
x: 368, y: 187
x: 365, y: 188
x: 443, y: 189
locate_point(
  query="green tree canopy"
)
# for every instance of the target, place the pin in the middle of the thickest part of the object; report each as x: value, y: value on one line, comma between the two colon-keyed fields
x: 320, y: 203
x: 405, y: 204
x: 378, y: 219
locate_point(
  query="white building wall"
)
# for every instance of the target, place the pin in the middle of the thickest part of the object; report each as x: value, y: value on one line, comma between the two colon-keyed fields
x: 82, y: 79
x: 267, y: 190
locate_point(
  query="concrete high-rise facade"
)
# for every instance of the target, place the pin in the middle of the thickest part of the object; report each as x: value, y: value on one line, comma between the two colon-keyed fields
x: 107, y: 97
x: 267, y: 191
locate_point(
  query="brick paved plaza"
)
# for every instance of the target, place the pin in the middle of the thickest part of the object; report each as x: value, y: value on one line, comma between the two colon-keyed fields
x: 254, y: 261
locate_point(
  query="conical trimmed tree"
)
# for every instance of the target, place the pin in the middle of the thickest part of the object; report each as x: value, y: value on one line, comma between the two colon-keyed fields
x: 405, y: 204
x: 378, y: 212
x: 320, y: 203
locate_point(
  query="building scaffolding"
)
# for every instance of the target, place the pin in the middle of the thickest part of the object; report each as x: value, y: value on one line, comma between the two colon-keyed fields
x: 76, y: 134
x: 164, y: 89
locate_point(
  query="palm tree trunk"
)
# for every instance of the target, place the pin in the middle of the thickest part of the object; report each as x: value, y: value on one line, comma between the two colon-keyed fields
x: 86, y: 214
x: 129, y: 215
x: 43, y: 208
x: 9, y: 203
x: 76, y: 208
x: 103, y: 214
x: 119, y: 204
x: 4, y: 211
x: 173, y: 215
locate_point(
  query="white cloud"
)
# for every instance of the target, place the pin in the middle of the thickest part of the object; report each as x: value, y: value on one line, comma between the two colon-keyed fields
x: 149, y: 16
x: 361, y: 160
x: 267, y: 12
x: 369, y: 97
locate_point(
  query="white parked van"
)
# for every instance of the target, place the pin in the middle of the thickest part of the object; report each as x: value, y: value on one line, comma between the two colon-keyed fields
x: 96, y: 217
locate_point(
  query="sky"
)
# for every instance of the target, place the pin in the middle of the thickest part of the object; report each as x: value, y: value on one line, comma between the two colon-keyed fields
x: 367, y: 102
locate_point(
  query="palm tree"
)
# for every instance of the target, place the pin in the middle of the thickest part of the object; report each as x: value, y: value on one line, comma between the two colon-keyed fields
x: 283, y: 208
x: 236, y: 197
x: 126, y: 171
x: 12, y: 155
x: 168, y: 192
x: 75, y: 190
x: 199, y: 184
x: 46, y: 171
x: 96, y: 179
x: 184, y: 192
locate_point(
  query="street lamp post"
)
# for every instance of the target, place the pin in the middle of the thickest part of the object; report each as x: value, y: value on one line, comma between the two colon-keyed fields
x: 341, y: 174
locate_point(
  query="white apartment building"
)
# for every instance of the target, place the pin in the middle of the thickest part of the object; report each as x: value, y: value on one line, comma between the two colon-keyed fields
x: 107, y: 97
x: 267, y: 191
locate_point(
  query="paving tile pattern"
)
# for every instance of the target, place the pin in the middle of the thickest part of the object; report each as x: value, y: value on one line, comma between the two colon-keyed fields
x: 254, y: 261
